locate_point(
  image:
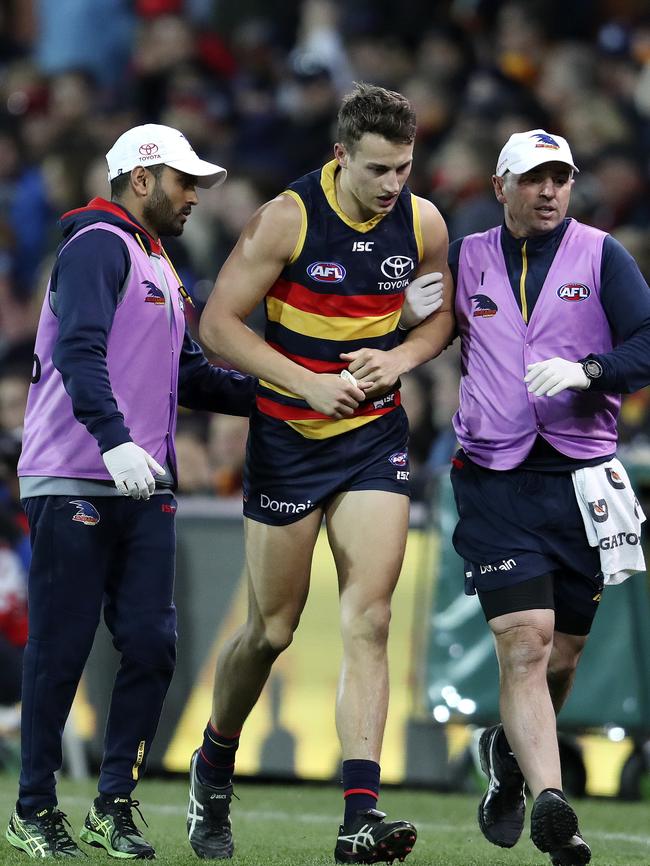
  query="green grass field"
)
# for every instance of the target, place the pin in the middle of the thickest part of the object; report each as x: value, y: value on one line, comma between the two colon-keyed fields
x: 296, y: 824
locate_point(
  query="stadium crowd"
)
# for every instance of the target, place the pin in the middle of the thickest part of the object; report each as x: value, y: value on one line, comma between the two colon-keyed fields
x: 255, y: 86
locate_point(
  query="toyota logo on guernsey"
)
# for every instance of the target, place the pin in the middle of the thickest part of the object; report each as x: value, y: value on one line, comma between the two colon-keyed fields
x: 396, y: 267
x: 148, y: 150
x: 398, y: 270
x: 326, y: 272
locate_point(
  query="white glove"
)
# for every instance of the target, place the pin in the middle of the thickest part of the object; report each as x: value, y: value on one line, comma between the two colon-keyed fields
x: 422, y: 298
x: 548, y: 378
x: 130, y: 467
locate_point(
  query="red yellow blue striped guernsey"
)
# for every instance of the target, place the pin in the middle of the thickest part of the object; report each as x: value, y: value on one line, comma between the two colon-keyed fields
x: 342, y: 290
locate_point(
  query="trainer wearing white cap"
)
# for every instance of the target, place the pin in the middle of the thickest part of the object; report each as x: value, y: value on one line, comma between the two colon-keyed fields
x: 113, y: 360
x: 554, y: 323
x: 154, y: 144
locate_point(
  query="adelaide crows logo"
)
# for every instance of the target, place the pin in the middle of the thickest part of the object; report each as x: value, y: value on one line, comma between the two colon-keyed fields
x: 154, y: 295
x: 86, y: 513
x: 545, y: 140
x: 614, y: 478
x: 599, y: 510
x: 485, y: 307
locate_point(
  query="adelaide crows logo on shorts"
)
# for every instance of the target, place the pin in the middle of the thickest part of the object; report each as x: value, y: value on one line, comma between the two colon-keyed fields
x: 154, y: 295
x: 614, y: 478
x: 599, y: 510
x: 485, y: 307
x: 86, y: 512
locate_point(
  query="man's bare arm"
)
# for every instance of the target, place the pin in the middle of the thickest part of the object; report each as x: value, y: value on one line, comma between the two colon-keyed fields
x: 262, y: 251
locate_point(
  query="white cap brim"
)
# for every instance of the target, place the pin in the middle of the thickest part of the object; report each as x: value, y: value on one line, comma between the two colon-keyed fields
x: 208, y: 174
x: 521, y: 166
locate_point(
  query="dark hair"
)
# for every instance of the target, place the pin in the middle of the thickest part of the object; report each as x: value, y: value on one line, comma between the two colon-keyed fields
x: 369, y: 108
x: 120, y: 184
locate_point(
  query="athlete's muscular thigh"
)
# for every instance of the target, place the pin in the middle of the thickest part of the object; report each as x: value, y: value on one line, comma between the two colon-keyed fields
x: 367, y: 531
x: 278, y: 565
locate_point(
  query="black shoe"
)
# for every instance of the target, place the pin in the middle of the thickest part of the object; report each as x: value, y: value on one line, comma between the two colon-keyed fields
x: 208, y: 818
x: 502, y: 810
x: 554, y: 829
x: 576, y: 852
x: 109, y: 824
x: 369, y: 839
x: 43, y: 835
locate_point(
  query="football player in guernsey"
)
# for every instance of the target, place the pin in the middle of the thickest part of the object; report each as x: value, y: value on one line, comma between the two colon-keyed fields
x: 333, y: 258
x: 554, y: 323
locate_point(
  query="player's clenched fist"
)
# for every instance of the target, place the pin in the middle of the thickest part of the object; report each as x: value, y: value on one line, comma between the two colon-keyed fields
x: 333, y: 395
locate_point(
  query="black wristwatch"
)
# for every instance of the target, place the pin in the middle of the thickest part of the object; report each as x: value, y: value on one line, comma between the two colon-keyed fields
x: 593, y: 369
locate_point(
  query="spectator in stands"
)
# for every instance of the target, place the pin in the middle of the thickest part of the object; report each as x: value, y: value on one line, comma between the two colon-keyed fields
x: 13, y: 623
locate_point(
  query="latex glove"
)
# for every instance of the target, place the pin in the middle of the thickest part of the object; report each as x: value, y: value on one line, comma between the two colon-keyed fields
x: 548, y: 378
x: 422, y: 298
x: 130, y: 467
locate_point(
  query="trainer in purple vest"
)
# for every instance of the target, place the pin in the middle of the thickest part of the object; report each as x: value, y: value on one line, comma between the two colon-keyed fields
x: 498, y: 419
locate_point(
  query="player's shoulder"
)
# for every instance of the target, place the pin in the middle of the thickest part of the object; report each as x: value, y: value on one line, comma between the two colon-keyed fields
x: 276, y: 225
x: 435, y: 237
x: 430, y: 216
x: 285, y: 210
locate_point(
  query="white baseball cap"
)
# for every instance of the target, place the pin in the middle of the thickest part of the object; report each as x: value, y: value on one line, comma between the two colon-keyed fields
x: 153, y: 144
x: 526, y: 150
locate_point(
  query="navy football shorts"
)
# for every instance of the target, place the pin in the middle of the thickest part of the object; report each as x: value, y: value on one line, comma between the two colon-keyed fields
x: 287, y: 475
x: 516, y: 526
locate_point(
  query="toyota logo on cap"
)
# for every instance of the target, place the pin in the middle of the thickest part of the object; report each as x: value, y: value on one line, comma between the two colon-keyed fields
x: 396, y: 267
x: 148, y: 149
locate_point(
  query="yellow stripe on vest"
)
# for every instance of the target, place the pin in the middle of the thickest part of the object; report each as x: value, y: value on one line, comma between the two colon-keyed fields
x: 417, y: 227
x: 279, y: 390
x: 522, y: 282
x: 323, y: 428
x: 302, y: 234
x: 339, y: 328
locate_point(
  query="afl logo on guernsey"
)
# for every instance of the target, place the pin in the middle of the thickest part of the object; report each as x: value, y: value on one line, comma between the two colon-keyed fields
x: 573, y: 292
x: 326, y: 272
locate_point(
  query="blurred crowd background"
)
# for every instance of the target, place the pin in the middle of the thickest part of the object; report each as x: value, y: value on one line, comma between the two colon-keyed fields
x: 255, y: 85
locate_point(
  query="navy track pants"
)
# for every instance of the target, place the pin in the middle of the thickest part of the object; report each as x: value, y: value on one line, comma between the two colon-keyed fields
x: 89, y: 554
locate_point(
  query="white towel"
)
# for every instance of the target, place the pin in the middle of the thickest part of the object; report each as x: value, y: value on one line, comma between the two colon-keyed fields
x: 612, y: 517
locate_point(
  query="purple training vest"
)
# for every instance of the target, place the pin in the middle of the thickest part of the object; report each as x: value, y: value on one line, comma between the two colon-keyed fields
x: 498, y: 419
x: 142, y: 359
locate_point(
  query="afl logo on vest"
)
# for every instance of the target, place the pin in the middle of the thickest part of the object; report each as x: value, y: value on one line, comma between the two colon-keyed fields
x: 326, y: 272
x: 573, y: 292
